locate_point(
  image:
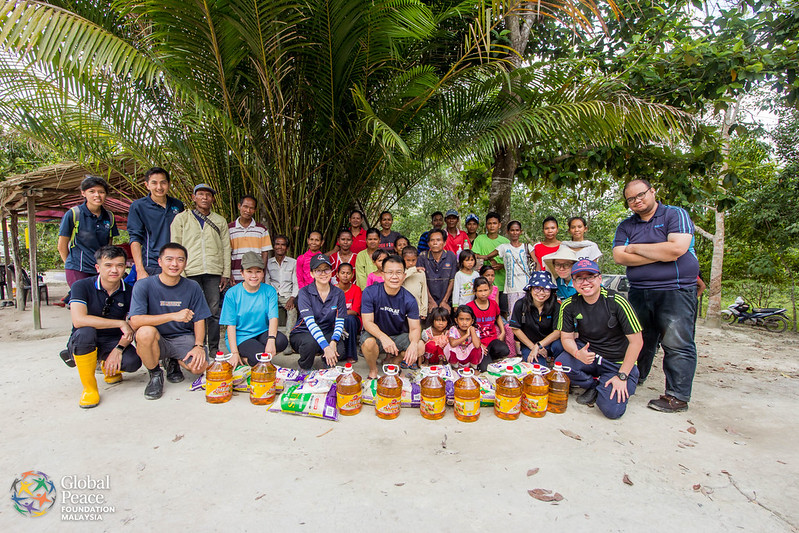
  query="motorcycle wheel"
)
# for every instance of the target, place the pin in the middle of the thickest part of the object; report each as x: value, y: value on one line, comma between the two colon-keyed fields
x: 776, y: 324
x: 728, y: 317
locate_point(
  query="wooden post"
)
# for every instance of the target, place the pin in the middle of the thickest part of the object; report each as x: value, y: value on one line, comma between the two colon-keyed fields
x: 17, y: 262
x: 34, y: 271
x: 6, y: 255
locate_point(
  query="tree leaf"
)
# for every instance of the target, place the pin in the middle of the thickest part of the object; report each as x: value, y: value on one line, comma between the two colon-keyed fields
x: 627, y: 481
x: 571, y: 434
x: 532, y: 472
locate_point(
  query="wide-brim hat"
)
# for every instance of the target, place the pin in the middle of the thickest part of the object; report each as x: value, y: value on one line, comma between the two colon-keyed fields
x: 541, y: 279
x: 563, y: 253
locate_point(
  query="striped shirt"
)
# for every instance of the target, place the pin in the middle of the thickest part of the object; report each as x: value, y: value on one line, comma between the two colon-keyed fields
x: 320, y: 317
x: 252, y: 238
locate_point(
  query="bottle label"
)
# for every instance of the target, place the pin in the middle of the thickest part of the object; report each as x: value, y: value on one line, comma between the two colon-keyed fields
x: 509, y: 406
x: 467, y: 407
x: 433, y: 406
x: 218, y: 389
x: 348, y: 402
x: 535, y: 404
x: 260, y: 390
x: 387, y: 406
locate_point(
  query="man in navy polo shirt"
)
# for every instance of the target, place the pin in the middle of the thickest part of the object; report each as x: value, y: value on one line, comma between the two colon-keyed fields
x: 390, y: 318
x: 149, y: 219
x: 168, y: 313
x: 656, y: 246
x: 440, y: 267
x: 99, y: 307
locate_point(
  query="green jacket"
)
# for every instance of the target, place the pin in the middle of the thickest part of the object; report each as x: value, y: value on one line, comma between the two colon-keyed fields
x: 209, y: 250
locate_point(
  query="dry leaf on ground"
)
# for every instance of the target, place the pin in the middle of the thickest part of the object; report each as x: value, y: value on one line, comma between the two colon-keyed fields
x: 692, y: 430
x: 532, y: 472
x: 626, y: 479
x: 571, y: 434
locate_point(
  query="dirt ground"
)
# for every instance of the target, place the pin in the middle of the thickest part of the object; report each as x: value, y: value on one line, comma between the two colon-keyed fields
x: 730, y: 462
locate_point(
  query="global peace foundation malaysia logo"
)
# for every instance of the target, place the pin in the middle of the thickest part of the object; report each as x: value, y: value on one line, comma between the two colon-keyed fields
x: 81, y: 498
x: 33, y: 493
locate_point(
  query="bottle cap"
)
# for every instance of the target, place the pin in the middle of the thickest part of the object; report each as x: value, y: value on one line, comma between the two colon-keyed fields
x: 222, y: 357
x: 263, y: 357
x: 348, y: 368
x: 466, y: 372
x: 391, y: 370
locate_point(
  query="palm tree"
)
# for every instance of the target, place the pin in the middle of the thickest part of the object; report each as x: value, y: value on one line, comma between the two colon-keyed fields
x: 313, y: 107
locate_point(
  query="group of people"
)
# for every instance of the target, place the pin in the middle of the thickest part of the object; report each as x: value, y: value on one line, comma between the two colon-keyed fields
x: 460, y: 296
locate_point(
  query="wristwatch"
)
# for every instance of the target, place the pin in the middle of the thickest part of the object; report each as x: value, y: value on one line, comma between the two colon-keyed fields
x: 120, y: 348
x: 622, y: 376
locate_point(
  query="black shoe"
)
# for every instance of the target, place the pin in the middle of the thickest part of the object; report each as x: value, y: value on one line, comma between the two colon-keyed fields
x: 588, y: 397
x: 67, y: 358
x: 173, y: 372
x: 155, y: 388
x: 668, y: 404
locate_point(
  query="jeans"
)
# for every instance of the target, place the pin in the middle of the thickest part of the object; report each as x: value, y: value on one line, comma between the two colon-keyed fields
x: 668, y: 318
x: 209, y: 283
x: 553, y: 351
x: 584, y: 376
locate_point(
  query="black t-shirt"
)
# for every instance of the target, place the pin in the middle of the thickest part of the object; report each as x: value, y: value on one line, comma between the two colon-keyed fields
x: 604, y: 324
x: 535, y: 326
x: 90, y: 292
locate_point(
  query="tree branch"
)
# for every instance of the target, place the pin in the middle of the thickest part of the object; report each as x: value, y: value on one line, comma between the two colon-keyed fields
x: 703, y: 233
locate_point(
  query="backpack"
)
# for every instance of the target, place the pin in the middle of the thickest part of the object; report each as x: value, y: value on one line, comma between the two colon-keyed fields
x: 76, y: 222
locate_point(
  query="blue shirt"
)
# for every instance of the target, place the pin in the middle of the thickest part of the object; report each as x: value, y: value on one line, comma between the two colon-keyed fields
x: 565, y: 289
x: 98, y: 302
x: 438, y: 273
x: 318, y: 317
x: 148, y: 225
x: 152, y: 297
x: 660, y: 275
x: 391, y: 313
x: 423, y: 245
x: 94, y: 232
x: 250, y: 312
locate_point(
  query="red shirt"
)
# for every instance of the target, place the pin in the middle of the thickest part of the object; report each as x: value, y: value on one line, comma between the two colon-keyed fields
x: 540, y: 251
x: 358, y: 242
x: 457, y: 243
x: 486, y: 320
x: 353, y: 299
x: 336, y: 259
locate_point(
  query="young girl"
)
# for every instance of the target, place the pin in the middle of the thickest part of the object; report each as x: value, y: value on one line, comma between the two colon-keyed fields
x: 515, y: 256
x: 377, y: 276
x: 584, y: 248
x: 489, y: 323
x: 534, y: 320
x: 435, y: 337
x: 487, y: 271
x: 464, y: 346
x: 550, y: 243
x: 462, y: 292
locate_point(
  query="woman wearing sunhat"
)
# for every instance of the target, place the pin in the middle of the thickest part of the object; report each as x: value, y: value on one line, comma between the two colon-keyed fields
x: 559, y: 264
x: 534, y: 320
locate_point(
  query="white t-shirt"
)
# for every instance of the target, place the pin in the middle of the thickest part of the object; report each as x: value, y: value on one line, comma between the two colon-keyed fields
x: 584, y: 249
x: 463, y: 288
x: 517, y: 266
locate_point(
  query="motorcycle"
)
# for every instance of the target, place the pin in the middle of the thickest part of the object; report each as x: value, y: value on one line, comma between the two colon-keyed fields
x: 772, y: 318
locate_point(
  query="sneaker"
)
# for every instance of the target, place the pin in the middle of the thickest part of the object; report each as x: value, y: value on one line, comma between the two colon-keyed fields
x: 67, y: 358
x: 173, y: 372
x: 668, y: 404
x: 588, y: 397
x: 155, y: 388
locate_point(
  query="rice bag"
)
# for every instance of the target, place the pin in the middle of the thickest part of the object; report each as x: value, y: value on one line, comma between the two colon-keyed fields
x: 199, y: 383
x: 520, y: 368
x: 241, y: 376
x: 285, y: 376
x: 411, y: 393
x: 487, y: 391
x: 319, y: 381
x: 319, y: 405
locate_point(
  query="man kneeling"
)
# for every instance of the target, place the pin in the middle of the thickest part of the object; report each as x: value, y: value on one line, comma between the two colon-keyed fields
x: 168, y: 313
x: 390, y: 319
x: 98, y: 307
x: 603, y: 359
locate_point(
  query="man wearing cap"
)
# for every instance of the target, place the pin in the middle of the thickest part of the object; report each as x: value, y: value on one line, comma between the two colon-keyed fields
x: 251, y: 315
x: 457, y: 241
x: 472, y: 224
x: 656, y: 246
x: 559, y: 265
x: 247, y: 235
x: 391, y: 318
x: 440, y: 267
x: 205, y: 235
x: 323, y: 309
x: 603, y: 359
x: 149, y: 220
x: 437, y: 221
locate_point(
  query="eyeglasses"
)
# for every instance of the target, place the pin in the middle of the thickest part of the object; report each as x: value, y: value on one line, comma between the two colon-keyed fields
x: 540, y: 289
x: 640, y: 196
x: 393, y: 274
x: 323, y: 271
x: 107, y: 307
x: 585, y: 279
x: 562, y: 266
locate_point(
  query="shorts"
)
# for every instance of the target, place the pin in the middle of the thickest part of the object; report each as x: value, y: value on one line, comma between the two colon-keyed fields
x: 177, y: 347
x: 402, y: 340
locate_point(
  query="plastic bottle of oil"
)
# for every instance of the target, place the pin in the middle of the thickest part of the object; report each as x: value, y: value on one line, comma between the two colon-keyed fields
x: 219, y: 380
x: 348, y: 392
x: 467, y: 396
x: 434, y: 396
x: 262, y: 380
x: 558, y: 389
x: 535, y: 392
x: 508, y: 402
x: 389, y: 393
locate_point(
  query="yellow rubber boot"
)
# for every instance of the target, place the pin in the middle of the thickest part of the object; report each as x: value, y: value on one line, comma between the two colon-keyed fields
x: 111, y: 378
x: 86, y: 364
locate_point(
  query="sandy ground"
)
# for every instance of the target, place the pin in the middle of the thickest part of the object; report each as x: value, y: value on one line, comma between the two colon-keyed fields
x: 181, y: 463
